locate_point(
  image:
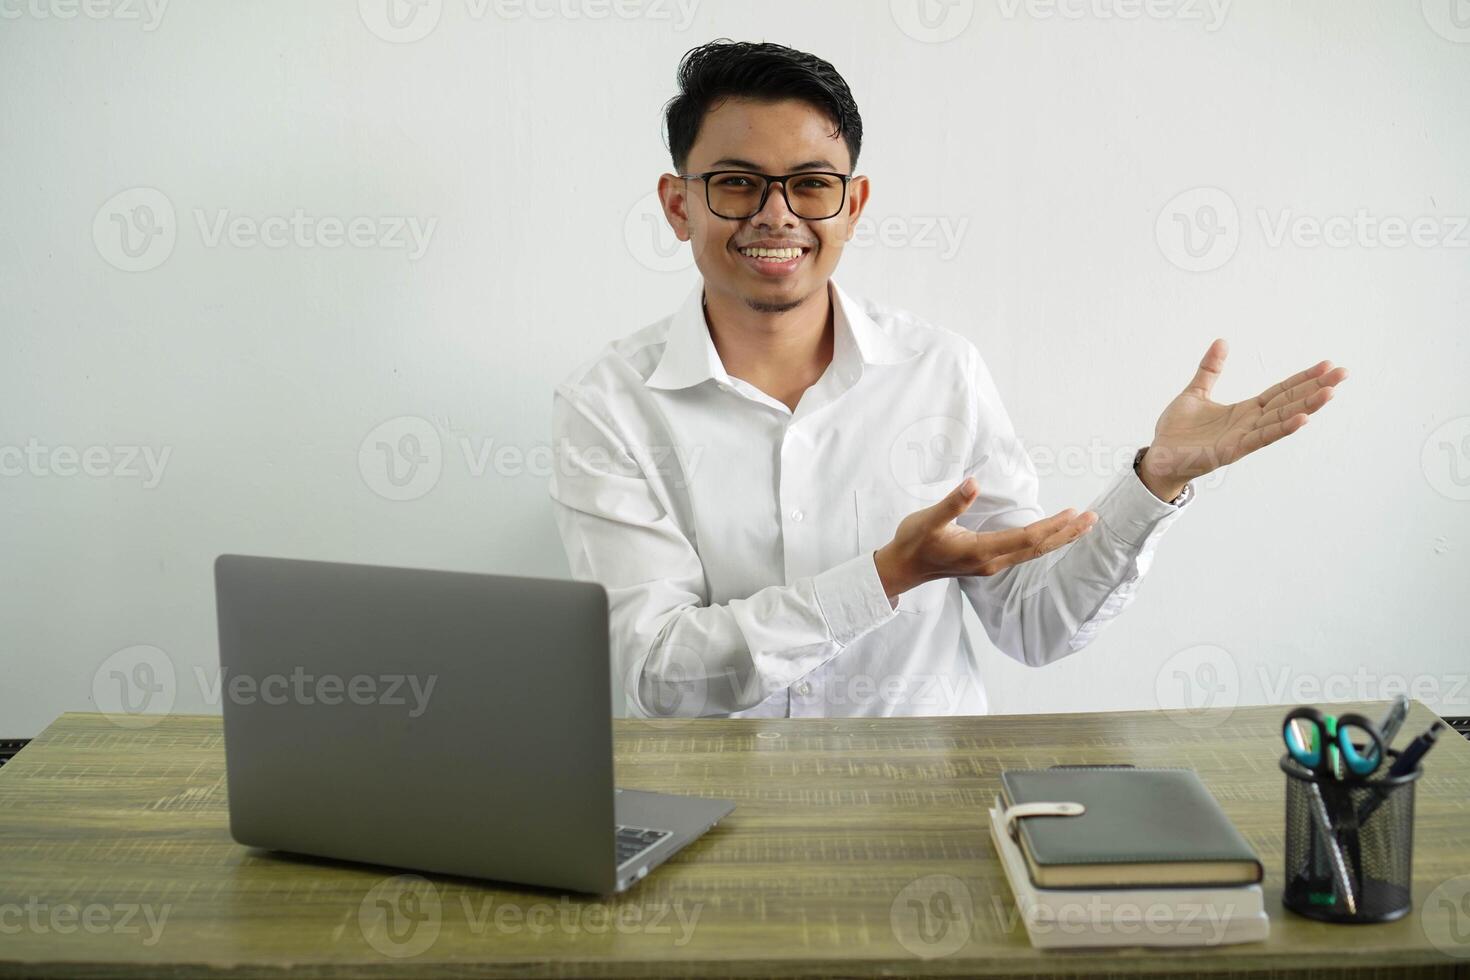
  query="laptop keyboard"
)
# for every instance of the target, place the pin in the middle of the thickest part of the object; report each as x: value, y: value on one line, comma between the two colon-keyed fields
x: 633, y: 841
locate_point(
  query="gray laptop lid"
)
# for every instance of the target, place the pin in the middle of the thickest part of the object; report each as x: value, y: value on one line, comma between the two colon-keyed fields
x: 440, y: 721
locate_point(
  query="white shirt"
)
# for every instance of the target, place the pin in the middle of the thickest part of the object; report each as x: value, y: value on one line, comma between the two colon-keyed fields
x: 735, y: 537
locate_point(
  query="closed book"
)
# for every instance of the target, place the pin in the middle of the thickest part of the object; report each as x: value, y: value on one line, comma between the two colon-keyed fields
x: 1064, y: 918
x: 1158, y: 827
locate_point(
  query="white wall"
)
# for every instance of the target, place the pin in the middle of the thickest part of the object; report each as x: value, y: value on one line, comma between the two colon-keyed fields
x: 1052, y: 139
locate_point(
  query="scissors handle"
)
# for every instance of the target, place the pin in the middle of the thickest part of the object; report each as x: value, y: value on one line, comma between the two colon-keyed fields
x: 1352, y: 728
x: 1332, y: 740
x: 1308, y: 752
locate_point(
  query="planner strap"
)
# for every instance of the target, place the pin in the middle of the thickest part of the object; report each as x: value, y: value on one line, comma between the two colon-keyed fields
x: 1021, y: 810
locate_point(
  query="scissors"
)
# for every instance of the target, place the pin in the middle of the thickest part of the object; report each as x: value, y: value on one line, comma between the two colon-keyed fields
x: 1330, y: 743
x: 1324, y: 744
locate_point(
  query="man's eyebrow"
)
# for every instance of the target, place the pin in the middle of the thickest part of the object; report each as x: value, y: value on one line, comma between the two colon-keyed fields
x: 747, y: 165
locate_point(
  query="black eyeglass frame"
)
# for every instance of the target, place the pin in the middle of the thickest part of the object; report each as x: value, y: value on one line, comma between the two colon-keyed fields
x: 766, y: 191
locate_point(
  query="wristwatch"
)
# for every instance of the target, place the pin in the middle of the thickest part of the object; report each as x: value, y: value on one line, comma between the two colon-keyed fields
x: 1184, y: 495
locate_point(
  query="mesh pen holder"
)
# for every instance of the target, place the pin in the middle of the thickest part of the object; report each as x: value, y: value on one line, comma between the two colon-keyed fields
x: 1366, y: 877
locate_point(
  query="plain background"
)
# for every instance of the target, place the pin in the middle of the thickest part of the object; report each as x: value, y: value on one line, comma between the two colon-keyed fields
x: 1036, y: 168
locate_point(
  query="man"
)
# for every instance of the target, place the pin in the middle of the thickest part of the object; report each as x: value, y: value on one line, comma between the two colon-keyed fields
x: 787, y: 490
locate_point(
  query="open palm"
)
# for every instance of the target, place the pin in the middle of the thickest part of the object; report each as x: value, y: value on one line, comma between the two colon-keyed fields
x: 1196, y: 435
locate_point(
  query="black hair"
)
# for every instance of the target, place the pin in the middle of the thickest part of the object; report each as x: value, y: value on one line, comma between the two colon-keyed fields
x: 764, y: 71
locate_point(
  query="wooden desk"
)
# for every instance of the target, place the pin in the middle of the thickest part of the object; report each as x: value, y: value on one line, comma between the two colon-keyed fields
x: 835, y: 820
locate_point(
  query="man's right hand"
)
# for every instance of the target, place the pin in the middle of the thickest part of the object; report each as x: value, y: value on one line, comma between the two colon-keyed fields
x: 929, y: 544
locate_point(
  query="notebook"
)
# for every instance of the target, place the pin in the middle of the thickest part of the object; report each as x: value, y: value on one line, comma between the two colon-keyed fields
x: 1214, y: 916
x: 1158, y: 827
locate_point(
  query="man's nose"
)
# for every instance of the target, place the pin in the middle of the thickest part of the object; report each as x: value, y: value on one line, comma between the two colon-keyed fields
x: 774, y: 213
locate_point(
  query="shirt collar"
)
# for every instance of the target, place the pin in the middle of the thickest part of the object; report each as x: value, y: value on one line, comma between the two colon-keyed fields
x: 689, y: 355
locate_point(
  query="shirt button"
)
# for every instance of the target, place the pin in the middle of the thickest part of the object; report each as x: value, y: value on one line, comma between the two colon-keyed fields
x: 803, y: 689
x: 797, y: 515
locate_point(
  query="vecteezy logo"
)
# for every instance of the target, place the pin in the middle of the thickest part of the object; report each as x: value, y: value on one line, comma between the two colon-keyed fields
x: 400, y: 916
x: 932, y: 21
x: 651, y: 241
x: 681, y: 689
x: 1445, y: 458
x: 135, y: 230
x: 1196, y: 680
x: 1450, y: 19
x: 401, y: 21
x: 402, y: 458
x: 933, y: 916
x: 928, y: 458
x: 135, y: 687
x: 1445, y: 917
x: 1199, y: 230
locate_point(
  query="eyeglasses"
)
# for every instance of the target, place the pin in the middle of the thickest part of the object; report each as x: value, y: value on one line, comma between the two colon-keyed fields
x: 813, y: 195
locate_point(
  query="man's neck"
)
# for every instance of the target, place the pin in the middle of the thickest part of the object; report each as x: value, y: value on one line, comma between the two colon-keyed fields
x: 781, y: 353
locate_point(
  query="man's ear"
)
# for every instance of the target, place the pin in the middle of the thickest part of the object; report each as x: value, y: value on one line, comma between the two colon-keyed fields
x: 857, y: 199
x: 673, y: 195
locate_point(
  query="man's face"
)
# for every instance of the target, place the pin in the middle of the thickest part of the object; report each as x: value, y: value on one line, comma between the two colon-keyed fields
x: 771, y: 138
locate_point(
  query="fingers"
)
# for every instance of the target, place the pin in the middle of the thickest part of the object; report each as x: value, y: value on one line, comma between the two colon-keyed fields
x: 998, y: 550
x: 992, y: 543
x: 955, y: 503
x: 1298, y: 392
x: 1305, y: 406
x: 1265, y: 398
x: 1290, y: 415
x: 1266, y: 434
x: 1209, y: 368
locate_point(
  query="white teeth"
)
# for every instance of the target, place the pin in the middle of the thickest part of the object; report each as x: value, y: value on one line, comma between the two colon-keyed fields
x: 774, y: 254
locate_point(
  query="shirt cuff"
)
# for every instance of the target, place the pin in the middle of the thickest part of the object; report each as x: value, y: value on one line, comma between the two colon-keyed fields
x: 1132, y: 511
x: 852, y: 598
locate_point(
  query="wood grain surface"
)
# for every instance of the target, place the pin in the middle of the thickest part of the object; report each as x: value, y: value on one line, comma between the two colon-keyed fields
x: 858, y: 848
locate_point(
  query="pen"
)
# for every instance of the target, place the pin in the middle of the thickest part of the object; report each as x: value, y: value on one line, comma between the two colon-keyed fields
x: 1318, y: 807
x: 1408, y: 760
x: 1406, y: 763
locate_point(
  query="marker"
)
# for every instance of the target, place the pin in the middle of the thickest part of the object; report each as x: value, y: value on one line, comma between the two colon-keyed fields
x: 1406, y: 763
x: 1408, y: 759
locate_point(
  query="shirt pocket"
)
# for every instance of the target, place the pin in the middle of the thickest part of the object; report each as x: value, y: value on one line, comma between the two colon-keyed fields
x: 879, y: 512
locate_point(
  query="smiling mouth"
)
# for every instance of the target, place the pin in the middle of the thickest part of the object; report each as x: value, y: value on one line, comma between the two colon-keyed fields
x: 774, y: 256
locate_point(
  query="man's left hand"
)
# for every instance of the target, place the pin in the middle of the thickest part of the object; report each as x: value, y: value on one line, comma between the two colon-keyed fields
x: 1195, y: 435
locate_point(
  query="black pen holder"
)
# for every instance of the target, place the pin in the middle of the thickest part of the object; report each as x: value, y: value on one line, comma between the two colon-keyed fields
x: 1372, y: 828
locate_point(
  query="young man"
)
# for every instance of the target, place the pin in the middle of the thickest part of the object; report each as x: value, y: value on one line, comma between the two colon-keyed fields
x: 788, y: 491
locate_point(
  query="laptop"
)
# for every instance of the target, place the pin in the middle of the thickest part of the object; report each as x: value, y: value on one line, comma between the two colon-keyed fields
x: 434, y: 721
